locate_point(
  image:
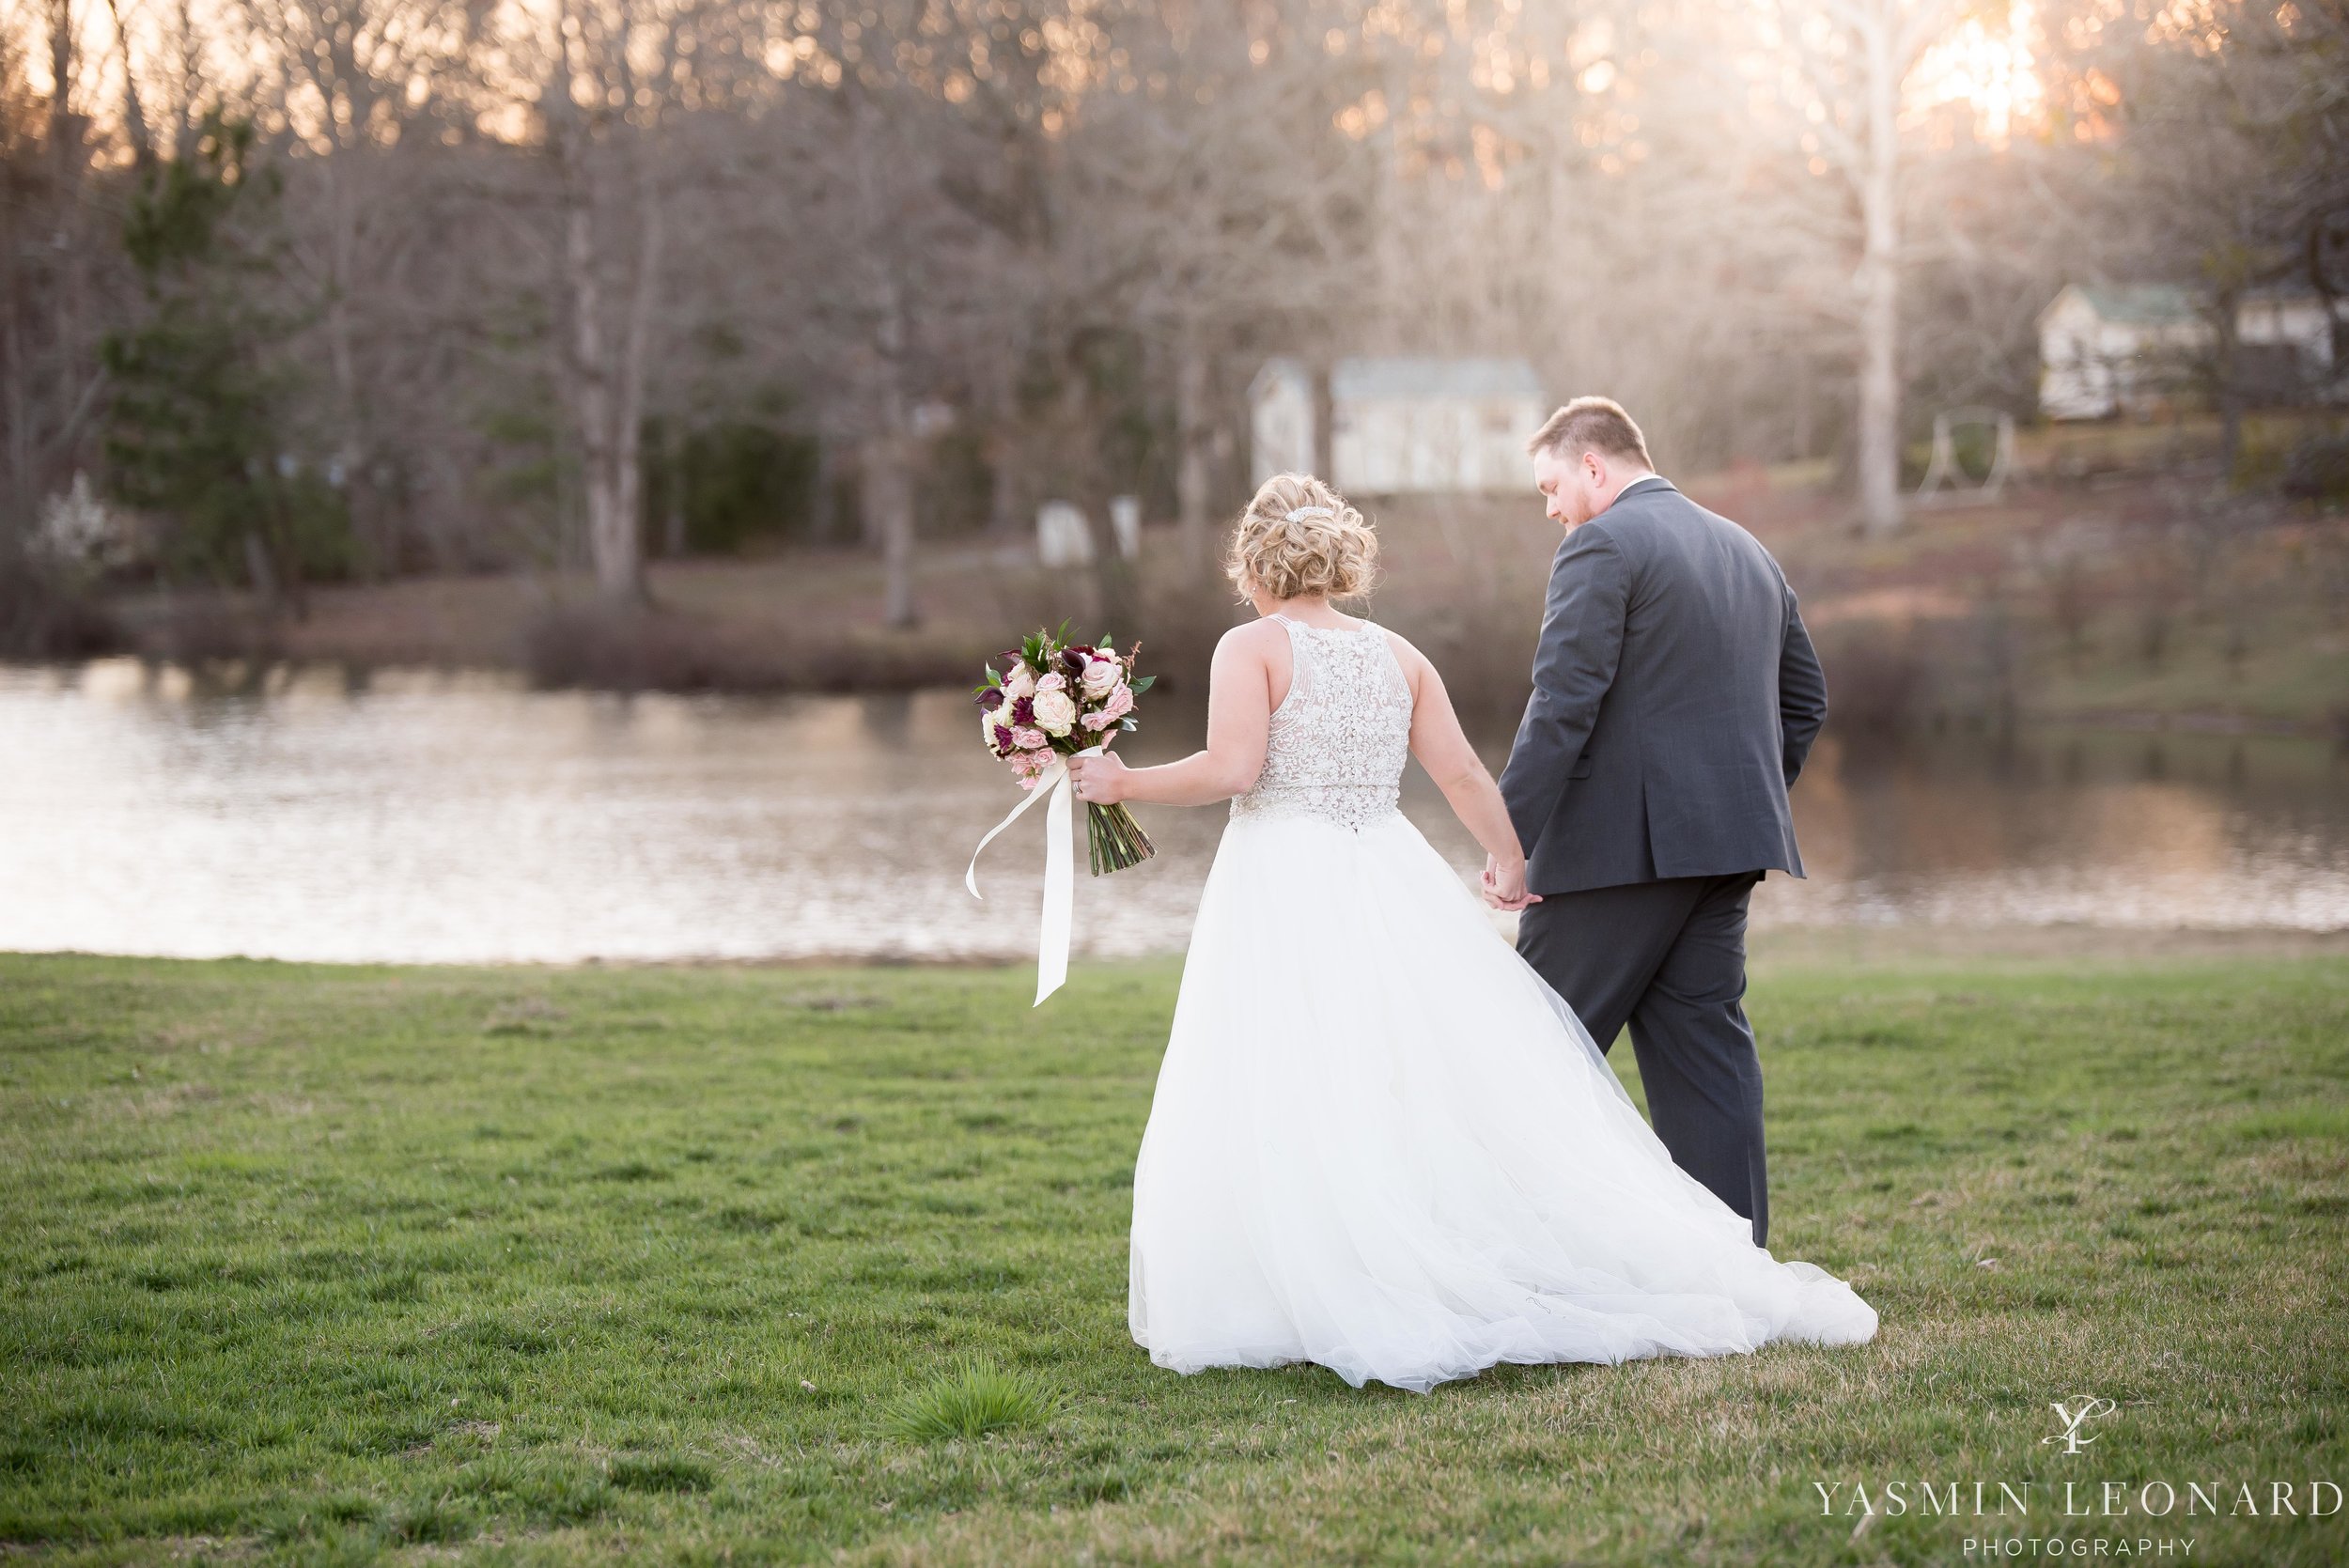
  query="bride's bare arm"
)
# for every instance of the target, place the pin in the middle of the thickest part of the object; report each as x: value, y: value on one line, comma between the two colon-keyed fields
x: 1442, y: 748
x: 1239, y: 716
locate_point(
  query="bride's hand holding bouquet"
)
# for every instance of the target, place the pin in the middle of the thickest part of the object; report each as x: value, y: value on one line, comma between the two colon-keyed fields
x: 1058, y: 703
x: 1052, y: 707
x: 1100, y: 781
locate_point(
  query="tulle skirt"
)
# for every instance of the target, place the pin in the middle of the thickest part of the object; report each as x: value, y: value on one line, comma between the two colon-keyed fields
x: 1380, y: 1142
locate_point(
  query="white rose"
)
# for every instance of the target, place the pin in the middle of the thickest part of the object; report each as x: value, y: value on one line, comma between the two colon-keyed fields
x: 1019, y: 683
x: 1100, y: 676
x: 1055, y: 712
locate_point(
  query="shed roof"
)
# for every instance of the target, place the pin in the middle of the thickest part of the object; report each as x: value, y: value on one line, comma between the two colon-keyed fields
x: 2140, y: 304
x: 1430, y: 375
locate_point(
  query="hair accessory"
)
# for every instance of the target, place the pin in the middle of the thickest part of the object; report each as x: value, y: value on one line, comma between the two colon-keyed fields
x: 1310, y: 512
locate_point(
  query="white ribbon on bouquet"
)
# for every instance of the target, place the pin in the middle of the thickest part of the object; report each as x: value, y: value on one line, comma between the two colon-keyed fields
x: 1060, y: 870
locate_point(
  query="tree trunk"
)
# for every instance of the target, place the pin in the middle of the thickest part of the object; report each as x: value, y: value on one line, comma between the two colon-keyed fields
x: 342, y: 358
x: 16, y: 505
x: 1192, y: 439
x: 54, y: 360
x: 888, y: 496
x: 673, y: 488
x: 1394, y: 225
x: 621, y: 575
x: 608, y: 390
x: 1004, y: 447
x: 888, y: 475
x: 65, y: 132
x: 1879, y: 292
x: 591, y: 392
x: 133, y: 111
x: 821, y: 499
x: 2229, y: 386
x: 1003, y: 486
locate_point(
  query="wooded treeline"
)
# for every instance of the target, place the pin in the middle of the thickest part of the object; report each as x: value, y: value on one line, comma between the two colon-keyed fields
x: 325, y: 288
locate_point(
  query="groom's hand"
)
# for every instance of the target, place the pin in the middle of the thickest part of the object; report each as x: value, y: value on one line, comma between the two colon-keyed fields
x: 1504, y: 886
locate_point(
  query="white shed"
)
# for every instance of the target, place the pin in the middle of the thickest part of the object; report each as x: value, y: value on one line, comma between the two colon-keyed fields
x: 2108, y: 349
x: 1280, y: 420
x: 1431, y: 426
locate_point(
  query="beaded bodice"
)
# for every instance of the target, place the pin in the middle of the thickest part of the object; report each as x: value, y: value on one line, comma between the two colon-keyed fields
x: 1342, y: 734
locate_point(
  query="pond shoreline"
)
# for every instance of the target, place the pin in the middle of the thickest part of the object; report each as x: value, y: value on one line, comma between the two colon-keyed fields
x: 1803, y: 947
x: 428, y: 817
x: 2056, y: 603
x: 236, y: 675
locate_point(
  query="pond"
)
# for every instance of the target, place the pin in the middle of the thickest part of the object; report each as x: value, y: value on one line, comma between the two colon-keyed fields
x: 416, y: 817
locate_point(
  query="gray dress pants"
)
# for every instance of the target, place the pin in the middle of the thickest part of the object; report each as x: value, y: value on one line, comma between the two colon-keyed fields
x: 1669, y: 959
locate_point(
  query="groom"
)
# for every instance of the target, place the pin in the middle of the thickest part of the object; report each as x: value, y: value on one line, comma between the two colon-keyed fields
x: 1676, y: 695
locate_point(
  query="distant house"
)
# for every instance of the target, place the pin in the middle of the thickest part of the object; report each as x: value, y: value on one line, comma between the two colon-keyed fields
x: 2121, y: 349
x: 2106, y: 350
x: 1431, y: 426
x: 1400, y: 425
x: 1280, y: 420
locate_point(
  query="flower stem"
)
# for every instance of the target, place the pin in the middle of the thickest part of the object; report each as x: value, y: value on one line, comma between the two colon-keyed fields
x: 1114, y: 839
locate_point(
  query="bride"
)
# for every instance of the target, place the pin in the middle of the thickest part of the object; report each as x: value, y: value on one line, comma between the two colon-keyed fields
x: 1380, y: 1142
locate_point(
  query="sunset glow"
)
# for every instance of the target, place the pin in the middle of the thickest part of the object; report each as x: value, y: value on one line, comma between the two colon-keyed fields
x: 1987, y: 65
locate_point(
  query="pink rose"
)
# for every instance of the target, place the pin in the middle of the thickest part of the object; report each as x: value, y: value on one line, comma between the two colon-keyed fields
x: 1029, y: 739
x: 1055, y: 712
x: 1121, y: 702
x: 1053, y: 682
x: 1101, y: 676
x: 1019, y: 683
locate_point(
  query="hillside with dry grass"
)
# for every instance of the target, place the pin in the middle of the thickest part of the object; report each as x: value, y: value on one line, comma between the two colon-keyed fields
x: 2122, y: 578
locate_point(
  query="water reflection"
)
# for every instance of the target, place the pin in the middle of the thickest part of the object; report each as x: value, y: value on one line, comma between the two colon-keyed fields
x: 406, y: 816
x: 2099, y: 828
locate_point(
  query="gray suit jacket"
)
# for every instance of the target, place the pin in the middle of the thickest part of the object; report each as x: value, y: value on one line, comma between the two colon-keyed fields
x: 1676, y: 695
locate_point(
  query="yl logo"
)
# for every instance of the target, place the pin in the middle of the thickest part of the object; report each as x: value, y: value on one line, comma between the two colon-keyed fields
x: 2088, y: 1408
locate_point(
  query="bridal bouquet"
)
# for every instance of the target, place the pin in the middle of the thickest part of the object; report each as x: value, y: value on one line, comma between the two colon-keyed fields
x: 1053, y: 699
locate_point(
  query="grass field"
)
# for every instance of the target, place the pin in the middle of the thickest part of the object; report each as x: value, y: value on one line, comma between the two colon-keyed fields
x: 343, y: 1265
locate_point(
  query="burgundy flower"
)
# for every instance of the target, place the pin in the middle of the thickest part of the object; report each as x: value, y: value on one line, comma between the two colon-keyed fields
x: 990, y: 699
x: 1002, y: 738
x: 1023, y: 711
x: 1075, y: 658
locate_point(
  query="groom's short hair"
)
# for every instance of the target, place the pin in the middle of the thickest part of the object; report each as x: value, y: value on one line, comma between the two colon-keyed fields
x: 1591, y: 425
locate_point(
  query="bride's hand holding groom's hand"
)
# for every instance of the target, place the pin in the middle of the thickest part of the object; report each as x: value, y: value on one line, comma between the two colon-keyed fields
x: 1504, y: 886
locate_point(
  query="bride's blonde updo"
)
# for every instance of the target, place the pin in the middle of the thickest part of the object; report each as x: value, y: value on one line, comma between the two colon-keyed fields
x: 1299, y: 538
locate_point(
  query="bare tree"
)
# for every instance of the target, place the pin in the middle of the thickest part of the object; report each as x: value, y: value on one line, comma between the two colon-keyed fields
x: 58, y: 266
x: 1844, y: 65
x: 909, y: 213
x: 609, y: 77
x: 1204, y: 218
x: 361, y: 88
x: 521, y: 241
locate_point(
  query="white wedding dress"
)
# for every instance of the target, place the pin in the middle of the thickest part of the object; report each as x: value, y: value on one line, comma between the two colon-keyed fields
x: 1380, y: 1142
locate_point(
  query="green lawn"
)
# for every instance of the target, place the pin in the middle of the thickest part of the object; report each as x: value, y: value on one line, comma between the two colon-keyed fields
x: 339, y: 1265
